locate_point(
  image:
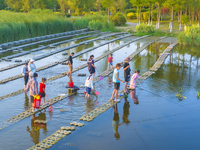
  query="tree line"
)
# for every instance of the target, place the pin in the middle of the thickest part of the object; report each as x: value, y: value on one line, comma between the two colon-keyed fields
x: 185, y: 10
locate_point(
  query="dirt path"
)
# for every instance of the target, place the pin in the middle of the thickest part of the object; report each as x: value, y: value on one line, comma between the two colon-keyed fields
x: 130, y: 27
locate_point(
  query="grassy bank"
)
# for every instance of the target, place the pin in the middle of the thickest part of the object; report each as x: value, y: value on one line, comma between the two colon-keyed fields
x: 15, y: 26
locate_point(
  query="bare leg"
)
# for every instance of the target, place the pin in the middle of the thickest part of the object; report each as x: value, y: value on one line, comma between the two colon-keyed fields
x: 113, y: 93
x: 32, y: 105
x: 125, y: 87
x: 112, y: 67
x: 116, y: 94
x: 93, y: 75
x: 108, y: 67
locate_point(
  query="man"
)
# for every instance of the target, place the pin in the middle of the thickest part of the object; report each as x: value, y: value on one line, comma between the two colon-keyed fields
x: 33, y: 88
x: 127, y: 74
x: 70, y: 62
x: 24, y: 72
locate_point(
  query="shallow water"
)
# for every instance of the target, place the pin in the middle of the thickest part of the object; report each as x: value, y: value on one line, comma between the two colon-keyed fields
x: 160, y: 121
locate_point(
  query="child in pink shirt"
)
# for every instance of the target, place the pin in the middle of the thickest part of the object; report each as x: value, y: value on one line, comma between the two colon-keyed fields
x: 133, y: 83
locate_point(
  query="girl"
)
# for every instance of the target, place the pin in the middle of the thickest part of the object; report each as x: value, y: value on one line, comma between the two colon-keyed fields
x: 133, y: 84
x: 91, y: 67
x: 89, y: 86
x: 42, y: 89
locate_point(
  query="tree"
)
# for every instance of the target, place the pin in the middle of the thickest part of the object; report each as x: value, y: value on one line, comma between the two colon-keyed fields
x: 98, y: 5
x: 159, y: 4
x: 2, y: 4
x: 107, y: 4
x: 121, y: 5
x: 63, y: 5
x: 14, y: 4
x: 138, y: 4
x: 170, y: 4
x: 25, y: 6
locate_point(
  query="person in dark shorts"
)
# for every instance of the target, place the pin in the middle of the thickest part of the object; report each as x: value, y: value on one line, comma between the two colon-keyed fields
x: 91, y: 67
x: 116, y: 81
x: 127, y: 74
x: 25, y: 74
x: 42, y: 89
x: 70, y: 62
x: 33, y: 88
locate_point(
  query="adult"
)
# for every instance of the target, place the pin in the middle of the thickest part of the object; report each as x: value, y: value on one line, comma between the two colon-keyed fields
x: 31, y: 67
x: 24, y: 72
x: 127, y: 74
x: 33, y: 88
x: 70, y: 62
x: 91, y: 67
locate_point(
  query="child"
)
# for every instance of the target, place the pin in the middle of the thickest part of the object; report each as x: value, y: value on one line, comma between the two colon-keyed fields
x: 110, y: 62
x: 42, y: 89
x: 89, y: 86
x: 127, y: 74
x: 91, y: 67
x: 116, y: 81
x: 133, y: 84
x: 31, y: 67
x: 24, y: 72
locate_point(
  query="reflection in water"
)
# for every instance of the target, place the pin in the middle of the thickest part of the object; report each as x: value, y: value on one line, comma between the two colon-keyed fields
x: 109, y: 81
x: 134, y: 97
x: 35, y: 127
x: 115, y: 122
x: 50, y: 114
x: 26, y: 102
x: 126, y: 111
x: 89, y: 105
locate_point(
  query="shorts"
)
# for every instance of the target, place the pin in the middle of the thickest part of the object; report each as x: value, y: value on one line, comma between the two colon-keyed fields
x: 92, y: 71
x: 116, y: 85
x: 42, y: 94
x: 26, y: 79
x: 110, y: 64
x: 32, y: 99
x: 88, y: 90
x: 127, y: 77
x: 70, y: 67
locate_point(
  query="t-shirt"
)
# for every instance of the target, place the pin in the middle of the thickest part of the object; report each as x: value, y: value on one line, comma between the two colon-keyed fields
x: 115, y: 76
x: 90, y: 62
x: 133, y: 80
x: 89, y: 83
x: 128, y: 70
x: 70, y: 59
x: 42, y: 86
x: 110, y: 59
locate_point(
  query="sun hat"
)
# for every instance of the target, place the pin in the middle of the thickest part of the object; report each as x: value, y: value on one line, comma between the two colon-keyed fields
x: 32, y: 60
x: 128, y: 59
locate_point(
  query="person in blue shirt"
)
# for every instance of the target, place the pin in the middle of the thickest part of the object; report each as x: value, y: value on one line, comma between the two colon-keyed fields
x: 116, y: 81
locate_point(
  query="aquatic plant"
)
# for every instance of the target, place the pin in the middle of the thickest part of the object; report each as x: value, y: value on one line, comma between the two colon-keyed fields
x: 198, y: 94
x: 179, y: 95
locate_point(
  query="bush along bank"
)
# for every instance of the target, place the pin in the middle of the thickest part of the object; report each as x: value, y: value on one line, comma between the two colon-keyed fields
x: 190, y: 36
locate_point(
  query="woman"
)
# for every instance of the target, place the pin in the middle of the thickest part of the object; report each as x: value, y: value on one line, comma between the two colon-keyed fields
x: 91, y: 67
x: 31, y: 67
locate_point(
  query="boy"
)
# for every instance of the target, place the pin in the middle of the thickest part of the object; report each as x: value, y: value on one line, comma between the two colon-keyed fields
x: 42, y: 90
x: 24, y: 72
x: 70, y: 62
x: 116, y: 81
x: 110, y: 62
x: 127, y: 74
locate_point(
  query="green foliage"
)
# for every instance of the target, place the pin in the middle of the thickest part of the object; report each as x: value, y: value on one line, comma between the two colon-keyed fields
x: 184, y: 39
x: 143, y: 28
x: 95, y: 25
x: 15, y: 26
x: 131, y: 15
x: 119, y: 19
x: 130, y: 11
x: 81, y: 23
x: 184, y: 18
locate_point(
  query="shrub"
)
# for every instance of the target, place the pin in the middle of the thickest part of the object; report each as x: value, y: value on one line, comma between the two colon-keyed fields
x: 130, y: 10
x: 131, y: 15
x: 95, y: 25
x: 80, y: 23
x: 143, y: 28
x: 184, y: 39
x: 119, y: 19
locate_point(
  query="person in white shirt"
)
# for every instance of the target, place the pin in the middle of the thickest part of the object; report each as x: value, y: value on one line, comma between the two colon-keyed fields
x: 31, y: 67
x: 89, y: 86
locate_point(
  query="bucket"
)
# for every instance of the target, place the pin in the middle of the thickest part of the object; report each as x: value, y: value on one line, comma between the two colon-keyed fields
x: 71, y: 84
x: 37, y: 101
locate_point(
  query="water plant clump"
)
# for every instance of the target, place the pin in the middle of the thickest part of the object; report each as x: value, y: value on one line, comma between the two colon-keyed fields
x: 198, y: 94
x: 180, y: 96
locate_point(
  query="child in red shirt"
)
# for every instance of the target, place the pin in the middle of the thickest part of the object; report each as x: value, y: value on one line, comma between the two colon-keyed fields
x: 42, y: 89
x: 110, y: 62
